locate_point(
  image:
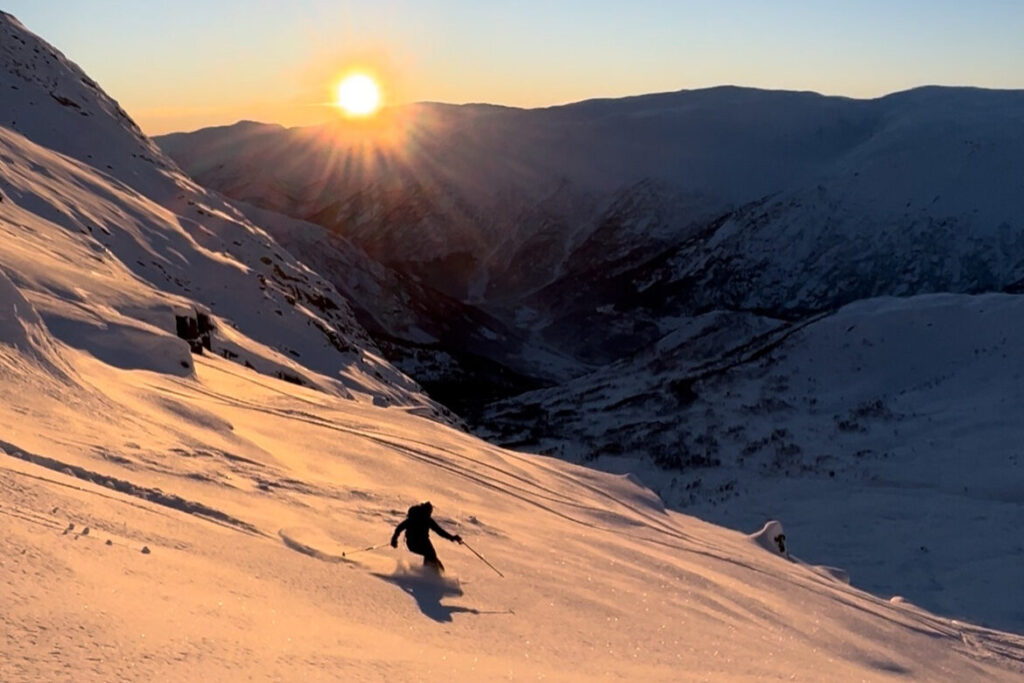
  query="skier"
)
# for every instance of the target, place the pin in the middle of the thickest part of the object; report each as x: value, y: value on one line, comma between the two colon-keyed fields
x: 416, y: 525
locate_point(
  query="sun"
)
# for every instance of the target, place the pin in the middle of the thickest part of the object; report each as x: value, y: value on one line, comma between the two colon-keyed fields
x: 358, y: 95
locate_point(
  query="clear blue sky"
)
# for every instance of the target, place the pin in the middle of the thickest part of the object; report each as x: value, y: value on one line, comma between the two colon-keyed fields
x: 186, y: 64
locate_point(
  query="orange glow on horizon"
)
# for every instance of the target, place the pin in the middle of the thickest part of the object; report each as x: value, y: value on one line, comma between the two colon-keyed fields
x: 375, y: 136
x: 368, y: 128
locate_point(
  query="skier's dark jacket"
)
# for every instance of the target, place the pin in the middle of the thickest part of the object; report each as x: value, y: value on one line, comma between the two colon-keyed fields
x: 417, y: 526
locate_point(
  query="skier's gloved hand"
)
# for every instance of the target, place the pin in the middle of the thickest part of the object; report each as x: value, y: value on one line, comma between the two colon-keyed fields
x: 394, y: 542
x: 457, y: 539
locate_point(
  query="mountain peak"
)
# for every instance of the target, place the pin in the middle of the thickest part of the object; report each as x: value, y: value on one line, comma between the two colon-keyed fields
x: 80, y: 173
x: 50, y: 100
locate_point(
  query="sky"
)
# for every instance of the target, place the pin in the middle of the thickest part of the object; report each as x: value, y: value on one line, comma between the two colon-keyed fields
x: 193, y: 63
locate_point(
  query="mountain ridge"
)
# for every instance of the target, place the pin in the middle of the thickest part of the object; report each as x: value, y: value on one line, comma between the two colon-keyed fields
x: 169, y: 248
x: 173, y: 514
x: 660, y: 292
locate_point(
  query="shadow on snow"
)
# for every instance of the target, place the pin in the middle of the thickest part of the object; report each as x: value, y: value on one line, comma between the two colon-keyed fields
x: 428, y: 590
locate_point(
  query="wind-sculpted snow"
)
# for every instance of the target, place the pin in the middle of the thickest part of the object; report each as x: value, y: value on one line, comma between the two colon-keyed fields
x: 24, y: 336
x: 235, y: 526
x: 109, y: 241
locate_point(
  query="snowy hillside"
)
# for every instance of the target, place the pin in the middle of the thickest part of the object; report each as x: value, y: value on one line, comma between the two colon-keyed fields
x: 171, y: 514
x: 890, y: 430
x: 204, y: 535
x: 670, y: 243
x: 459, y: 353
x: 110, y: 241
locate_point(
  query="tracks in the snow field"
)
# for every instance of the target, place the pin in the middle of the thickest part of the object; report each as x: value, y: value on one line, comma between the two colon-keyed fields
x: 483, y: 473
x: 152, y: 495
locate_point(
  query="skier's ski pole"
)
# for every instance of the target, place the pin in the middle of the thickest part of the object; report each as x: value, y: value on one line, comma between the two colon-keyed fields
x: 482, y: 559
x: 363, y: 550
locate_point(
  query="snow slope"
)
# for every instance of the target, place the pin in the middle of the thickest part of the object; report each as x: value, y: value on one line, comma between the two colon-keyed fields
x: 888, y: 434
x: 201, y: 536
x: 109, y: 241
x: 176, y: 516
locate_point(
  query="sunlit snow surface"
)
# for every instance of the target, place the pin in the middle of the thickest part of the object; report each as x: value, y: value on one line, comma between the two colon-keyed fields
x: 600, y: 580
x: 248, y: 494
x: 165, y: 516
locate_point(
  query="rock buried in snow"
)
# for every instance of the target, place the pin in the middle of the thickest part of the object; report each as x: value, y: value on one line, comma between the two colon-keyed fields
x: 772, y: 537
x: 145, y: 550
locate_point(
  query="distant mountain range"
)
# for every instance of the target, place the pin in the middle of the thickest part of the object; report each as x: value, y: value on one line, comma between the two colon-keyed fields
x: 620, y: 215
x: 203, y: 443
x: 699, y: 286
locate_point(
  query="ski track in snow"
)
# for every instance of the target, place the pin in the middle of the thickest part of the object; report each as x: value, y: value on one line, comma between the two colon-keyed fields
x: 713, y: 595
x: 509, y: 482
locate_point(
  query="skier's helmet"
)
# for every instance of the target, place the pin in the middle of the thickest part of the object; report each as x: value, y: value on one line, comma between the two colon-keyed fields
x: 421, y: 510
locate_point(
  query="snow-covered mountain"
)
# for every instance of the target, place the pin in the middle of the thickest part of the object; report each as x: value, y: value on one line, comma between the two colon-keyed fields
x: 456, y: 194
x: 617, y: 213
x: 473, y: 192
x: 110, y: 241
x: 173, y: 515
x: 891, y: 419
x: 671, y: 244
